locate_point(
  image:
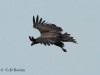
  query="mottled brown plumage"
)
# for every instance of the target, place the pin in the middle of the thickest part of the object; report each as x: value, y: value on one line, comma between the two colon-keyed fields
x: 50, y: 34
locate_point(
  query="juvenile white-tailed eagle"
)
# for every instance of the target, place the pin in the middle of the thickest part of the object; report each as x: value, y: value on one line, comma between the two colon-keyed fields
x: 50, y: 34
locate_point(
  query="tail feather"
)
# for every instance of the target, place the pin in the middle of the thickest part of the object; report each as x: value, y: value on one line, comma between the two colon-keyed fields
x: 67, y: 38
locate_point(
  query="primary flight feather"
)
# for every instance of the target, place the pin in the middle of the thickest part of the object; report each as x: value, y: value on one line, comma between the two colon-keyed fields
x: 50, y: 34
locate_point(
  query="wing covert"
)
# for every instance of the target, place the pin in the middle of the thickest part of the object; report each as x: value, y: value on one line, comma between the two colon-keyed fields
x: 45, y: 27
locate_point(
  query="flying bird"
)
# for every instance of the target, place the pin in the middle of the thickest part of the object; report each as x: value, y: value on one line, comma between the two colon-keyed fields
x: 50, y: 34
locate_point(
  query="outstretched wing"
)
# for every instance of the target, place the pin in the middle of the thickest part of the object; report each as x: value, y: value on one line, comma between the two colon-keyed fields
x: 45, y: 27
x: 47, y: 41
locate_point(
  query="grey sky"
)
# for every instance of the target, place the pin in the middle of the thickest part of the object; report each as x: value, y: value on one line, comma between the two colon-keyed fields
x: 80, y: 18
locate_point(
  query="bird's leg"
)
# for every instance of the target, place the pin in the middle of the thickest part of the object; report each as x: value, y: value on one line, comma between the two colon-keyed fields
x: 64, y: 49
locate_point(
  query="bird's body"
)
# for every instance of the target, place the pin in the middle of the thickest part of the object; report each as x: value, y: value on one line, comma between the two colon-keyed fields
x: 50, y: 34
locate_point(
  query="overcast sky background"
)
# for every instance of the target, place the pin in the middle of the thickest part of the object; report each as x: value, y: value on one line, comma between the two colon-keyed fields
x: 80, y: 18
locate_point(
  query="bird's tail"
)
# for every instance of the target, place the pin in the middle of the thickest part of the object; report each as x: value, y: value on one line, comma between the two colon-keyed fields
x: 67, y: 38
